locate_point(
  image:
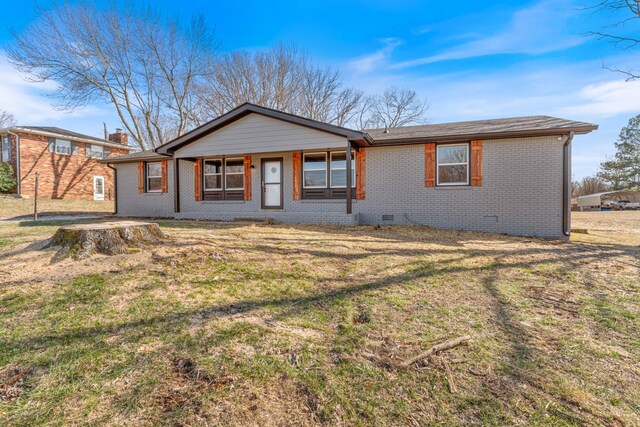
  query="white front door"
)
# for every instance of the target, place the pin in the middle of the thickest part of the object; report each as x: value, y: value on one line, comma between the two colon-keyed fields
x: 272, y: 184
x: 98, y: 188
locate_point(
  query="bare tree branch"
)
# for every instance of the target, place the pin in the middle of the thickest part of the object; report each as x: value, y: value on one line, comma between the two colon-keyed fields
x: 7, y: 119
x: 142, y: 64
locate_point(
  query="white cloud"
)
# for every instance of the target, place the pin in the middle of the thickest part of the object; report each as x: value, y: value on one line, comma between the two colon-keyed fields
x: 29, y: 103
x: 370, y: 62
x: 607, y: 99
x: 534, y: 30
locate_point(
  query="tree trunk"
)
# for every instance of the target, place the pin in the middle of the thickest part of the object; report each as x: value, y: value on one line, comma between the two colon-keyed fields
x: 110, y: 238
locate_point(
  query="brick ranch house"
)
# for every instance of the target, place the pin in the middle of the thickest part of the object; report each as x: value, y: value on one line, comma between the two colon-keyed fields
x: 504, y: 175
x: 67, y: 161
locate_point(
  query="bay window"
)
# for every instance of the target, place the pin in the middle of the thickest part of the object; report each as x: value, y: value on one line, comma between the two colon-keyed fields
x: 452, y: 161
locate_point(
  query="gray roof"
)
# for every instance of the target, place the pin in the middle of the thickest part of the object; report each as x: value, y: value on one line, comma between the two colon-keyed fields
x: 443, y: 132
x: 70, y: 134
x: 478, y: 129
x: 134, y: 157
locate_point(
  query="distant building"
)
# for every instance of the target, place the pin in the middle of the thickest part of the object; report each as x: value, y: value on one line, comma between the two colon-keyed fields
x: 67, y: 161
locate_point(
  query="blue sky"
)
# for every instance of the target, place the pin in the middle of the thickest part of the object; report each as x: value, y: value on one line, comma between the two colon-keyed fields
x: 470, y: 60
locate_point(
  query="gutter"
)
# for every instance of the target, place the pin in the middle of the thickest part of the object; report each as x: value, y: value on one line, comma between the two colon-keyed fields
x: 566, y: 185
x: 74, y: 138
x: 115, y: 188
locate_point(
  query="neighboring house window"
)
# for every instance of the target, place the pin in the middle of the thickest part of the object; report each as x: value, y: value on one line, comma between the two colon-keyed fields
x: 154, y: 177
x: 223, y: 179
x: 452, y: 161
x: 5, y: 155
x: 62, y: 146
x: 326, y: 179
x: 95, y: 151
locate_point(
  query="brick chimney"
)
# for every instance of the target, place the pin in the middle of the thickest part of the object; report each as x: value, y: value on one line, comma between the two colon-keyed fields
x: 119, y: 137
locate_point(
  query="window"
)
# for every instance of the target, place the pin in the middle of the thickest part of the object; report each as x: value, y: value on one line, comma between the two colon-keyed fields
x: 154, y: 177
x: 322, y: 179
x: 315, y: 170
x: 62, y: 146
x: 5, y: 155
x: 339, y: 170
x: 213, y: 175
x: 234, y: 174
x: 97, y: 151
x: 452, y: 164
x: 223, y: 179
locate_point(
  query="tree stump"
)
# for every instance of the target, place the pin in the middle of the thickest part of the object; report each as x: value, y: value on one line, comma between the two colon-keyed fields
x: 110, y: 238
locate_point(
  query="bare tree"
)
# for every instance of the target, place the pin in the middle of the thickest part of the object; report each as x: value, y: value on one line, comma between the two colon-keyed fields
x: 285, y: 79
x: 622, y: 14
x: 7, y: 119
x: 145, y: 66
x: 397, y: 107
x: 589, y: 185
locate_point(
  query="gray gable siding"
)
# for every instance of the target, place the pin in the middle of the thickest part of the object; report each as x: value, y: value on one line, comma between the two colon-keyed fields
x: 260, y: 134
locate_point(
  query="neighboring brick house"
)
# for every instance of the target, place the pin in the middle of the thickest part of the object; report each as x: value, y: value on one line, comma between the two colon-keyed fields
x: 504, y: 175
x: 67, y: 161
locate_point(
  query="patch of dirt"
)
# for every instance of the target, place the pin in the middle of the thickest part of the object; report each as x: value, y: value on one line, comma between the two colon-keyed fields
x: 12, y: 383
x: 552, y: 298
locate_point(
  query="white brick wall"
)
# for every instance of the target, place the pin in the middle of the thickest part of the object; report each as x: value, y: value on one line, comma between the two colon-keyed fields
x: 521, y: 192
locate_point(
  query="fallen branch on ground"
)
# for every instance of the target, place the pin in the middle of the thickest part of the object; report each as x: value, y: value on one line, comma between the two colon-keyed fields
x: 447, y: 370
x: 435, y: 349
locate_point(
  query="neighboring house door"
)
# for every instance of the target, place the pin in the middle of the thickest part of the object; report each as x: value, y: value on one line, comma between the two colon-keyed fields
x: 272, y: 183
x: 98, y: 188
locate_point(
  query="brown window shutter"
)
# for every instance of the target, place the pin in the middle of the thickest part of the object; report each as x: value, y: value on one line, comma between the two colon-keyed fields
x: 360, y: 174
x: 430, y: 164
x: 140, y: 177
x: 476, y: 163
x: 197, y: 175
x: 297, y: 158
x: 247, y: 177
x: 164, y: 177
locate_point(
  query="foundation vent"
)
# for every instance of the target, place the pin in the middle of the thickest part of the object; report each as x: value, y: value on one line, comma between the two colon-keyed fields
x: 387, y: 217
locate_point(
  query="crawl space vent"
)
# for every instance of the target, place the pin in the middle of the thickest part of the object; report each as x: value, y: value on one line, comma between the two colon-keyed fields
x: 387, y: 217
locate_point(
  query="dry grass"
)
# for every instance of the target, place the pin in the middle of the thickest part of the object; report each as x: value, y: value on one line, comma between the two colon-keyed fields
x: 11, y: 207
x: 237, y: 324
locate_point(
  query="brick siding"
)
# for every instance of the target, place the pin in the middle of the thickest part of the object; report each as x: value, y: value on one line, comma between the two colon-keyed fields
x: 61, y: 176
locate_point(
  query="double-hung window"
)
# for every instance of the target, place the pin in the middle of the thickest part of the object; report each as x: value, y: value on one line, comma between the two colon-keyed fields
x: 62, y: 146
x: 223, y: 179
x: 5, y: 155
x: 154, y: 177
x: 95, y: 151
x: 324, y: 175
x: 452, y: 164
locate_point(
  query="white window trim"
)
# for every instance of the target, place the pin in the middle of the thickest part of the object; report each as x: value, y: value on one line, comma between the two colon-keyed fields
x: 326, y: 178
x: 233, y: 173
x: 353, y: 169
x: 438, y: 164
x: 147, y: 176
x: 5, y: 142
x: 205, y: 175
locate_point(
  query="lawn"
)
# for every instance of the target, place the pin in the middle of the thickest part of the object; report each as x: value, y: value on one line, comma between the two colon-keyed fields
x: 244, y: 324
x: 11, y: 207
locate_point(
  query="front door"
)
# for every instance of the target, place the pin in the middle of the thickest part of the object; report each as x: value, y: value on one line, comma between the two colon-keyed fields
x: 272, y: 183
x: 98, y: 188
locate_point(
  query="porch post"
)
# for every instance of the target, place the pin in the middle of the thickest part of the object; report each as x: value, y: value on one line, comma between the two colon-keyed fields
x: 176, y: 185
x: 349, y: 201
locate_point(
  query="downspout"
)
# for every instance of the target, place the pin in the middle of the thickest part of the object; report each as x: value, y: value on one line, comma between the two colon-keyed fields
x: 566, y: 185
x: 17, y: 160
x: 115, y: 188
